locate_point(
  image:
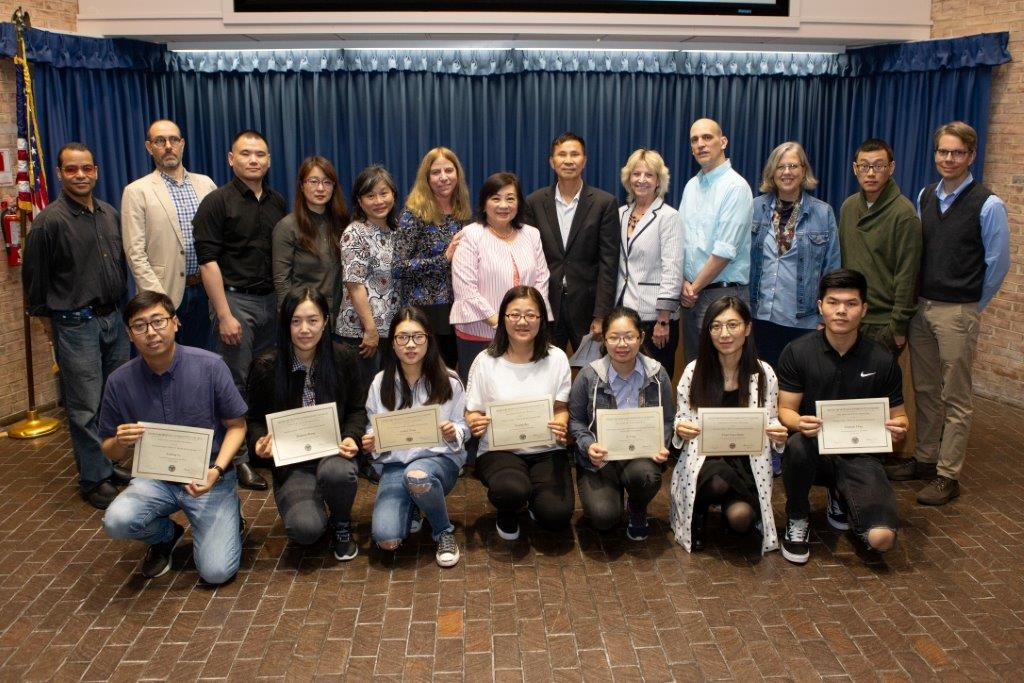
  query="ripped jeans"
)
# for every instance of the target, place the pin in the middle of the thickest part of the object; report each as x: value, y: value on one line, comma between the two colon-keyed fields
x: 399, y: 490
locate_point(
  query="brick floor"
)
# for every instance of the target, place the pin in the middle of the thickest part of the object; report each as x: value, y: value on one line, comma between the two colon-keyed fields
x: 948, y: 603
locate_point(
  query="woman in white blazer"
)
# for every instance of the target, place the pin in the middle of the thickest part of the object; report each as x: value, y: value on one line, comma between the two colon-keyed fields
x: 650, y: 255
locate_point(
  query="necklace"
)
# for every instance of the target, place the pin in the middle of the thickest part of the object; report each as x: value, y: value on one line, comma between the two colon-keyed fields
x: 507, y: 237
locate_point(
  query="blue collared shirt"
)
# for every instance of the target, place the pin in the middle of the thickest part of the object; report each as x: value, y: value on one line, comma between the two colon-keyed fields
x: 195, y: 391
x: 716, y: 210
x: 995, y: 235
x: 627, y: 389
x: 186, y: 203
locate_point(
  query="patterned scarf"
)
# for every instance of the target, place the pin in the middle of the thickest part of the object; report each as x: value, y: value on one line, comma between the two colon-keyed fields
x: 784, y: 233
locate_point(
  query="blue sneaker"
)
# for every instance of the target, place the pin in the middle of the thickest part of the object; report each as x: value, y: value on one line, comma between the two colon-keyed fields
x: 637, y: 527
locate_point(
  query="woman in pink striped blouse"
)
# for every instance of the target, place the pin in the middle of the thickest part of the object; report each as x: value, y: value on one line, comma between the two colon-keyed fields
x: 496, y: 253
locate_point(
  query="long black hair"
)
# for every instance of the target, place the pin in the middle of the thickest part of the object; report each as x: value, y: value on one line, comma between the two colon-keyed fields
x: 500, y: 343
x: 321, y: 369
x: 708, y: 384
x: 435, y: 374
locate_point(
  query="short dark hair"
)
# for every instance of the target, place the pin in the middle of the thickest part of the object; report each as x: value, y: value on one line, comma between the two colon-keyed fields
x: 248, y: 133
x: 147, y: 299
x: 491, y: 187
x: 499, y: 345
x: 568, y: 136
x: 874, y: 145
x: 843, y: 278
x: 364, y: 184
x: 73, y: 147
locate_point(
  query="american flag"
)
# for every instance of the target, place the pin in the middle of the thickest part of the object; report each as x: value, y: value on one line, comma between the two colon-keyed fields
x: 31, y: 174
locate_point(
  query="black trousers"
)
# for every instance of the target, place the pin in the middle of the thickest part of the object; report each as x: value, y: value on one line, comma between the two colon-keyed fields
x: 601, y: 490
x: 541, y: 480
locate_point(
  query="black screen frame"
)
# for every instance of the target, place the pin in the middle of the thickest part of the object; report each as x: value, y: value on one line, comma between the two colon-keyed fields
x: 779, y: 8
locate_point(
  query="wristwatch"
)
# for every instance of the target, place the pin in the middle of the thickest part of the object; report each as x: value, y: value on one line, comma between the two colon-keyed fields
x: 220, y: 470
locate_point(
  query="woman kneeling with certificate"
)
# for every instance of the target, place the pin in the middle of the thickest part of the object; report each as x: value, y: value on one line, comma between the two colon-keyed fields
x: 726, y: 374
x: 418, y: 433
x: 625, y: 455
x: 304, y: 371
x: 516, y: 404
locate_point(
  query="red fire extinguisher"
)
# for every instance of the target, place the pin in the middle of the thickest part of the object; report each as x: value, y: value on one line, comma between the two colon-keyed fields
x: 12, y: 232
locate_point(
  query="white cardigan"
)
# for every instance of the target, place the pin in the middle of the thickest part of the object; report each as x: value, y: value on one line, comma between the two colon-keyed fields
x: 684, y: 479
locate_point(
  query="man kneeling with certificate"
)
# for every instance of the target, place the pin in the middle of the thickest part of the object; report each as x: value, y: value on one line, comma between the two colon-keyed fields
x: 839, y: 364
x: 179, y: 408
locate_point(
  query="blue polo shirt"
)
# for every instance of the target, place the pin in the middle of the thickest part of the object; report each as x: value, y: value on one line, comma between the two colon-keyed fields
x: 195, y: 391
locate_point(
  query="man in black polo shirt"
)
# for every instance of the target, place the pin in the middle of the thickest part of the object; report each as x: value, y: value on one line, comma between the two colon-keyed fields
x: 73, y: 277
x: 233, y: 227
x: 837, y: 363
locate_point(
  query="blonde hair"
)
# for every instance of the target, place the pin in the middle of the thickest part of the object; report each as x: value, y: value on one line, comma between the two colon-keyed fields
x: 654, y: 162
x: 775, y: 158
x: 421, y: 201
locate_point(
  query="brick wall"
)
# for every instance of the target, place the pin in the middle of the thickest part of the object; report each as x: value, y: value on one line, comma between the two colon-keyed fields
x: 999, y: 368
x: 58, y: 15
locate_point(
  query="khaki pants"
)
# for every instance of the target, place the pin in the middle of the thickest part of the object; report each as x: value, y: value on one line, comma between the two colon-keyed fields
x: 943, y: 337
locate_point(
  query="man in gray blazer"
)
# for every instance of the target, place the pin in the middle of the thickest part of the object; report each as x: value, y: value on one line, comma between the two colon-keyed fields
x: 156, y: 228
x: 579, y: 229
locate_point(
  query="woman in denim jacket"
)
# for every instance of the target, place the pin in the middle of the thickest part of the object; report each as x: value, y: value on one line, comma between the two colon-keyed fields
x: 624, y: 378
x: 794, y: 243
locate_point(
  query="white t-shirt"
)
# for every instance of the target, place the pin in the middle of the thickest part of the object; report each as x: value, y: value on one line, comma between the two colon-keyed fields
x: 496, y: 379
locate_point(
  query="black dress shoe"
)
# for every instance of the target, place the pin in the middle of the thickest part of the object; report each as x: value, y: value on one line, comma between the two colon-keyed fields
x: 120, y: 476
x: 101, y: 496
x: 248, y: 477
x: 697, y: 530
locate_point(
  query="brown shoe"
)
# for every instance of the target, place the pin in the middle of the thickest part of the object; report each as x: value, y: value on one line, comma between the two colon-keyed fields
x: 907, y: 470
x: 939, y: 491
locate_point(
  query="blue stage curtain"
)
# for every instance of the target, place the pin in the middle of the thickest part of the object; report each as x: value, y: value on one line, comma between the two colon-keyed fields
x: 499, y: 109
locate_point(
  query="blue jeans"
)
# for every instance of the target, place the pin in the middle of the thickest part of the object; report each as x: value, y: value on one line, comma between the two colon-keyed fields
x: 397, y: 492
x: 194, y: 315
x: 88, y: 349
x: 141, y: 513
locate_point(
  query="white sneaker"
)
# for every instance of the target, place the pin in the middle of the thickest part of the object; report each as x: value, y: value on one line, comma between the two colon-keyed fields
x: 447, y: 554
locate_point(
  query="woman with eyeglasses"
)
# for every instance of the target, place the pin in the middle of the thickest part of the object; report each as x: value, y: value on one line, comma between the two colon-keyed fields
x: 415, y: 481
x: 624, y: 378
x: 429, y: 230
x: 306, y: 369
x: 520, y: 363
x: 306, y: 241
x: 496, y: 252
x: 726, y: 374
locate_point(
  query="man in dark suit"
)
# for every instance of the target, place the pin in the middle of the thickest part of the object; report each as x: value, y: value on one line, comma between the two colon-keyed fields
x: 579, y: 227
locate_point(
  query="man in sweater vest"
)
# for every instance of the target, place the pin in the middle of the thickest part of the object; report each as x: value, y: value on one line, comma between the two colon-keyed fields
x: 966, y: 256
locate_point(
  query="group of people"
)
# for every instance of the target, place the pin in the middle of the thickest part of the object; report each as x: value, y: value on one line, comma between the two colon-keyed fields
x: 376, y: 305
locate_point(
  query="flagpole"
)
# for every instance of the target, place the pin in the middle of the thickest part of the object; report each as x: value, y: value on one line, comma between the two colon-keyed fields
x: 33, y: 425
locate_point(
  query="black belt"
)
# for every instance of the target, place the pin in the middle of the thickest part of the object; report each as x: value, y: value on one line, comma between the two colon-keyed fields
x: 88, y: 312
x: 722, y: 285
x: 193, y: 280
x: 254, y: 291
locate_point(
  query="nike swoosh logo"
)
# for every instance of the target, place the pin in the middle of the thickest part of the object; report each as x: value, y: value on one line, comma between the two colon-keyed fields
x: 866, y: 374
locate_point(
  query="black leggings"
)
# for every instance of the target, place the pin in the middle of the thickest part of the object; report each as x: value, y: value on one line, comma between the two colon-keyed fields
x: 542, y: 480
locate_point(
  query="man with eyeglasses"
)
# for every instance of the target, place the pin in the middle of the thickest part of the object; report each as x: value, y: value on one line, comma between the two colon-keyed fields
x: 880, y: 236
x: 233, y: 229
x: 174, y: 384
x: 156, y: 224
x: 966, y: 257
x: 74, y: 278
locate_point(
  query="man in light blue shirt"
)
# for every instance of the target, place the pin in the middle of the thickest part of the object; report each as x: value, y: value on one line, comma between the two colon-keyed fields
x: 716, y: 211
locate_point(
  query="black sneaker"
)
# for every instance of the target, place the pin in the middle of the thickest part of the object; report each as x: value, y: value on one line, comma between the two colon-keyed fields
x: 507, y: 525
x: 415, y: 520
x: 447, y: 554
x: 835, y: 511
x: 794, y: 544
x: 637, y: 527
x: 345, y: 548
x: 158, y: 557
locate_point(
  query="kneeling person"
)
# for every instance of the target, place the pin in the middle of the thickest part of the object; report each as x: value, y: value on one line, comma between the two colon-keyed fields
x: 837, y: 363
x: 179, y: 385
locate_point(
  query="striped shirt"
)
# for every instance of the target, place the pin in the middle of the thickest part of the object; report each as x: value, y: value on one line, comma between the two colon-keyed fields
x: 186, y: 203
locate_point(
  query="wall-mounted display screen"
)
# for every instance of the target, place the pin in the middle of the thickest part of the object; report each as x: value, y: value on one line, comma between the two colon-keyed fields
x: 775, y: 8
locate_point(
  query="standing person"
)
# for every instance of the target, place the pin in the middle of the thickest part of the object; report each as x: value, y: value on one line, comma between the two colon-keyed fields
x: 306, y: 369
x: 429, y: 230
x: 716, y: 209
x: 835, y: 363
x: 880, y: 237
x: 74, y: 278
x: 497, y: 252
x: 233, y: 229
x: 156, y: 225
x: 966, y: 256
x: 369, y: 300
x: 174, y: 384
x: 726, y: 374
x: 651, y: 260
x: 521, y: 363
x: 578, y: 226
x: 624, y: 378
x: 415, y: 481
x: 306, y: 242
x: 795, y: 242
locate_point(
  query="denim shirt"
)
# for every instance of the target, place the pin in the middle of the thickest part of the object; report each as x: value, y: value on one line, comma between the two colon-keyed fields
x: 816, y: 241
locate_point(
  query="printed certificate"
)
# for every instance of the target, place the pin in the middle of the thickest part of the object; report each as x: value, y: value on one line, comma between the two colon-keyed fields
x: 520, y: 424
x: 854, y: 426
x: 631, y: 433
x: 409, y: 428
x: 731, y: 431
x: 304, y: 433
x: 173, y: 453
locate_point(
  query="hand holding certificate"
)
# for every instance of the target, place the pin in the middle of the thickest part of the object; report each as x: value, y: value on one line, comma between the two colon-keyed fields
x: 304, y: 433
x: 854, y: 426
x: 409, y: 428
x: 731, y: 431
x: 520, y: 424
x: 173, y: 453
x: 631, y: 433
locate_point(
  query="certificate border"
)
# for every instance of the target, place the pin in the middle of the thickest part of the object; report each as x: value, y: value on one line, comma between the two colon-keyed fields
x: 828, y: 450
x: 493, y: 446
x: 313, y: 455
x: 399, y: 414
x: 701, y: 412
x: 137, y: 470
x: 602, y: 413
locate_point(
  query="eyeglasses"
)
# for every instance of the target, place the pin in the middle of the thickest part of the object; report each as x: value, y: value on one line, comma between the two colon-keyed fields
x: 957, y: 154
x: 877, y: 168
x: 141, y: 326
x: 417, y: 338
x: 733, y: 326
x: 325, y: 183
x: 161, y: 141
x: 624, y: 339
x: 71, y: 169
x: 788, y: 167
x: 517, y: 317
